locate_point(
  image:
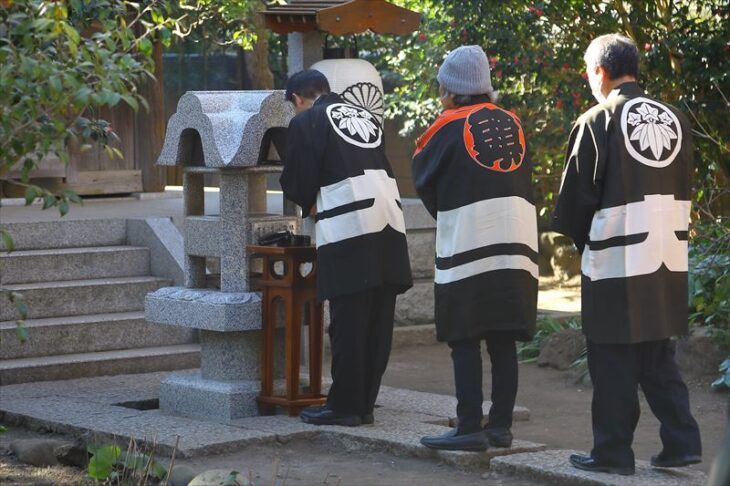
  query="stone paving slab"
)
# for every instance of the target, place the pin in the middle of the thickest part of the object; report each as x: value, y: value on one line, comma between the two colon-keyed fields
x: 400, y: 433
x: 553, y: 466
x: 92, y: 405
x: 431, y: 403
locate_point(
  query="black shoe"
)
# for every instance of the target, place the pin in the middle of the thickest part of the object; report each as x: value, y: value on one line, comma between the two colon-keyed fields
x: 327, y: 416
x: 665, y: 460
x: 450, y: 441
x: 498, y: 436
x: 367, y: 419
x: 587, y: 463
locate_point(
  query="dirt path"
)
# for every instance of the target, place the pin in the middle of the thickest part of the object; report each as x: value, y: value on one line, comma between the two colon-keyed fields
x: 296, y: 463
x: 560, y: 410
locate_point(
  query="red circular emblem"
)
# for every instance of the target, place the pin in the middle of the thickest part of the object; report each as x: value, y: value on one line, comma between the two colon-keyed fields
x: 494, y: 138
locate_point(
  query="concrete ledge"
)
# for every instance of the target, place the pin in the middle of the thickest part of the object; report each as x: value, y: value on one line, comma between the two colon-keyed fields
x: 553, y: 467
x: 190, y: 395
x: 161, y: 236
x: 211, y: 310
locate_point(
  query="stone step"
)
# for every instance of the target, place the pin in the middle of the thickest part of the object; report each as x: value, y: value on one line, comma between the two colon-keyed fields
x: 86, y: 334
x: 30, y: 266
x: 66, y: 234
x: 552, y: 467
x: 128, y: 361
x: 80, y: 297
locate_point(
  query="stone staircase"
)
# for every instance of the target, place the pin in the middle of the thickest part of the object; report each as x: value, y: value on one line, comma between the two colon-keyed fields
x: 85, y: 286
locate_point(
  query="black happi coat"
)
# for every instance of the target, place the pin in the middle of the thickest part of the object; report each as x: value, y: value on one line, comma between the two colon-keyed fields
x: 625, y: 201
x: 336, y: 160
x: 472, y: 171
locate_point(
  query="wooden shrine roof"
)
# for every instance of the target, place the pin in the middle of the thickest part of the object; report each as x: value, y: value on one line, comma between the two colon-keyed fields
x: 341, y: 17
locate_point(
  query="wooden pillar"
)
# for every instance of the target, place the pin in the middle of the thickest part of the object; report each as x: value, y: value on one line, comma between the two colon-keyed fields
x: 149, y: 129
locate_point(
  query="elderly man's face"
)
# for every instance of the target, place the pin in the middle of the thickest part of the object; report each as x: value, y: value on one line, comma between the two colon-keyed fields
x: 596, y: 79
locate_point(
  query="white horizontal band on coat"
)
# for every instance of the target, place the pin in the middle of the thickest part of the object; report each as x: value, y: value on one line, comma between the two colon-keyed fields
x: 373, y: 184
x: 492, y: 221
x: 489, y: 222
x: 658, y: 215
x: 488, y: 264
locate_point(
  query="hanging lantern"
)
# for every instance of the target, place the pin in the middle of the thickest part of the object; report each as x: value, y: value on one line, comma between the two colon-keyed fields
x: 356, y: 81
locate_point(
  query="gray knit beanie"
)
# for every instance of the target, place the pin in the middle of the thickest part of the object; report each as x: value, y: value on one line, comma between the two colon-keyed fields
x: 465, y: 71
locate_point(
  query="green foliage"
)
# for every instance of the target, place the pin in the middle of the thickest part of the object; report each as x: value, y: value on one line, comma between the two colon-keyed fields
x: 528, y: 352
x: 709, y: 278
x: 111, y: 465
x: 101, y: 464
x: 723, y: 381
x: 536, y: 50
x: 60, y: 63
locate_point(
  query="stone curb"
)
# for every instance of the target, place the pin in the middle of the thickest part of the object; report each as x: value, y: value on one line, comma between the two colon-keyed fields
x: 552, y: 466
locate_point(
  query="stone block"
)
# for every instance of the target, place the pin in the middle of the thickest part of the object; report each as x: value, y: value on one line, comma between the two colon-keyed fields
x: 29, y: 266
x: 203, y: 236
x: 91, y: 333
x: 80, y: 297
x: 422, y: 252
x: 552, y: 467
x: 205, y: 309
x: 416, y: 306
x: 229, y: 125
x: 165, y: 244
x: 66, y: 234
x: 190, y: 395
x: 230, y: 356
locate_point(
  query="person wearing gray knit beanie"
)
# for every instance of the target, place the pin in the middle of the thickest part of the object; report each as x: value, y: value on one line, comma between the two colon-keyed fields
x: 465, y: 72
x: 473, y: 173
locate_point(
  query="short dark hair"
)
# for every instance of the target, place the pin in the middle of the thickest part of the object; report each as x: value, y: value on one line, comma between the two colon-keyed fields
x: 615, y: 53
x: 309, y: 83
x: 467, y: 100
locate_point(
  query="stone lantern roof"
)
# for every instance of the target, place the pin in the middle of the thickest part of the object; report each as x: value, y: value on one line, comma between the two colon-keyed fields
x: 340, y: 17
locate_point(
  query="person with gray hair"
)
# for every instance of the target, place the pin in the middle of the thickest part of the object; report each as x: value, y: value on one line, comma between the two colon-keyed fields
x: 625, y: 201
x: 473, y: 173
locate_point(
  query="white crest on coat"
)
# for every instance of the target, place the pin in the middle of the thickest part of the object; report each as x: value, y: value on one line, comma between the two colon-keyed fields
x: 355, y: 125
x: 652, y: 132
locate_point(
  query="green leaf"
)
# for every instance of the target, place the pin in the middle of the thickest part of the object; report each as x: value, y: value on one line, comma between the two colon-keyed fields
x: 73, y: 196
x: 30, y: 195
x: 129, y: 99
x: 63, y: 208
x: 231, y: 479
x: 158, y: 471
x: 145, y: 46
x: 48, y: 201
x: 7, y: 240
x: 21, y: 332
x: 22, y: 309
x: 99, y: 468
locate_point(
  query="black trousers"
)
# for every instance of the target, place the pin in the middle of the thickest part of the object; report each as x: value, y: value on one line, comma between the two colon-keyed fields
x: 616, y: 371
x: 466, y: 355
x: 361, y: 333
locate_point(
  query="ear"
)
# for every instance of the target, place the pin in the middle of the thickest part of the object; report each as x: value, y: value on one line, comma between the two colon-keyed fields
x: 298, y: 100
x: 602, y: 73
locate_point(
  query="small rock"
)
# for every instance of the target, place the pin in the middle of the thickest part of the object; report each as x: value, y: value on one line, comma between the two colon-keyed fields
x: 217, y: 477
x: 699, y: 353
x: 181, y: 475
x: 72, y: 454
x: 36, y: 452
x: 565, y: 262
x: 561, y: 349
